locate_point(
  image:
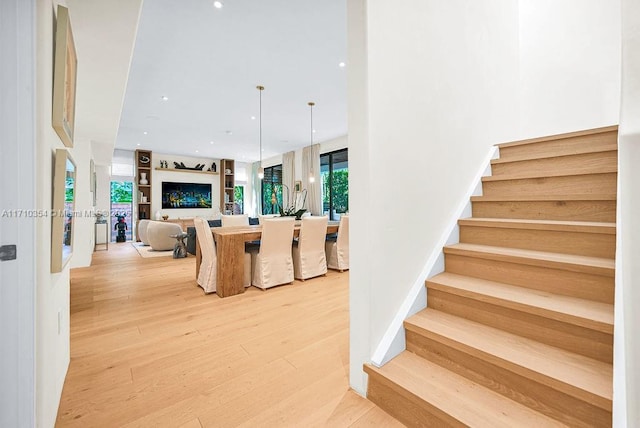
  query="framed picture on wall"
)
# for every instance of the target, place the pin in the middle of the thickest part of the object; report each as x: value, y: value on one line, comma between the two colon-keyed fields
x: 298, y: 187
x: 65, y: 70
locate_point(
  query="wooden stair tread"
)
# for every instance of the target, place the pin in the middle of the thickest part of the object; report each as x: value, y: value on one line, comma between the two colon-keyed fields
x: 585, y: 313
x: 584, y: 378
x: 459, y: 397
x: 560, y: 225
x: 536, y: 198
x: 606, y: 148
x: 510, y: 177
x: 595, y: 265
x: 560, y: 136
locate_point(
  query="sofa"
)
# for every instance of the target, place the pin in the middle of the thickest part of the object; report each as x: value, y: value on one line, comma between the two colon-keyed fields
x: 191, y: 233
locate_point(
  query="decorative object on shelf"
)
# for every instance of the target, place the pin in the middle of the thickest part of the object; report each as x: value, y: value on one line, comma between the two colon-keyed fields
x: 144, y: 199
x: 181, y: 165
x: 143, y: 179
x: 213, y: 167
x: 261, y: 169
x: 312, y: 178
x: 64, y: 79
x: 165, y: 217
x: 158, y: 216
x: 163, y: 164
x: 145, y: 159
x: 121, y: 227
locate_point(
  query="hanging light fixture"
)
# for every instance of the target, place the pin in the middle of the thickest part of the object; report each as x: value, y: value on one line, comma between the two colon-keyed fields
x: 312, y: 178
x: 261, y: 169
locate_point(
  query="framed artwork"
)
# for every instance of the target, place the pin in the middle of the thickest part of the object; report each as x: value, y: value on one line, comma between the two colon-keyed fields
x: 65, y: 70
x: 298, y: 187
x: 62, y: 219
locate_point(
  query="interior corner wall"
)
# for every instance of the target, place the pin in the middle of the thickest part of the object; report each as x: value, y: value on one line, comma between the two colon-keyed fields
x: 569, y: 64
x: 626, y: 404
x: 442, y: 87
x: 52, y: 290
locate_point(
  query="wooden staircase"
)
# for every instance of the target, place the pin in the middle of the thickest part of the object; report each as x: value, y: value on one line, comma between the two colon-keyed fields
x: 518, y: 330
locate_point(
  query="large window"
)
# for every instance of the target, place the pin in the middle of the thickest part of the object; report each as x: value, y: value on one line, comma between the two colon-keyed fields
x: 121, y: 204
x: 334, y: 169
x: 272, y: 189
x: 238, y: 197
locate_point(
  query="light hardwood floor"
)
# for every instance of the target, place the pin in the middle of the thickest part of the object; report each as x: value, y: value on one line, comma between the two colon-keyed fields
x: 148, y: 348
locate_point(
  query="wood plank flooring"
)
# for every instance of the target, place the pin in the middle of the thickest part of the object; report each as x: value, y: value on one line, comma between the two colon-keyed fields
x: 149, y: 349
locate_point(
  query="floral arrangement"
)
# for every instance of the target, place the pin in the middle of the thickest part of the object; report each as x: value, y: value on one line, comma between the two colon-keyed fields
x: 288, y: 209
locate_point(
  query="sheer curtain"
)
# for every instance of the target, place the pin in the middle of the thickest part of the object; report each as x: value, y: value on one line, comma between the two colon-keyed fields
x: 288, y: 177
x: 256, y: 190
x: 311, y: 157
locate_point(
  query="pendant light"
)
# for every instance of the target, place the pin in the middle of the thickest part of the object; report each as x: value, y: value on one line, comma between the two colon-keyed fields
x: 261, y: 169
x: 312, y: 178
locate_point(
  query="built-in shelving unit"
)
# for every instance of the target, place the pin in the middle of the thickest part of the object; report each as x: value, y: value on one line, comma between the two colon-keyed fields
x: 143, y: 174
x: 193, y: 171
x: 227, y: 185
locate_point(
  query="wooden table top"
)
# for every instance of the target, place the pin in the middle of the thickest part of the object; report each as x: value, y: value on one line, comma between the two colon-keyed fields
x: 254, y: 232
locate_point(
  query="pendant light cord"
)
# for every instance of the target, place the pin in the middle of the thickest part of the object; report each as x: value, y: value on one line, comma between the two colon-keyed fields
x: 311, y: 104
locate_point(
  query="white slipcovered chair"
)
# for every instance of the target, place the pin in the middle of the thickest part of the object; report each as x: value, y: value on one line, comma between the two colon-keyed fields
x: 263, y: 217
x: 142, y: 231
x: 209, y: 266
x: 338, y: 250
x: 309, y: 258
x: 272, y: 264
x: 159, y: 235
x: 235, y: 220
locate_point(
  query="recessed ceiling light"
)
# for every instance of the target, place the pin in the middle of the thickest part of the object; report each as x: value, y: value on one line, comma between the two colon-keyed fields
x: 165, y: 98
x: 138, y: 144
x: 253, y: 118
x: 196, y: 151
x: 145, y: 132
x: 210, y: 142
x: 314, y: 131
x: 217, y: 4
x: 342, y: 65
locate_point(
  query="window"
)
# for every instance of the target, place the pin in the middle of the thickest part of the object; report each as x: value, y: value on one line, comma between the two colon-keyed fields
x: 238, y: 207
x: 272, y: 189
x: 334, y: 169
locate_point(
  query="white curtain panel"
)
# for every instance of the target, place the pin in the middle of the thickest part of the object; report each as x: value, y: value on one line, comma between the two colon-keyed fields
x: 289, y: 177
x: 311, y: 156
x: 256, y: 190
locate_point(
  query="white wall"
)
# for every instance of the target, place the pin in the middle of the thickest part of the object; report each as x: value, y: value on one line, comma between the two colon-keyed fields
x: 158, y: 176
x: 626, y: 410
x: 569, y: 64
x: 442, y: 83
x: 52, y: 293
x: 83, y: 236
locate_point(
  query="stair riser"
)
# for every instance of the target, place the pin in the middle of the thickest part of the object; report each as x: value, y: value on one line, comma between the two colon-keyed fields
x: 404, y: 406
x: 588, y: 163
x: 588, y: 342
x: 598, y: 211
x: 561, y: 147
x: 578, y: 243
x: 558, y: 281
x: 580, y: 185
x: 524, y: 390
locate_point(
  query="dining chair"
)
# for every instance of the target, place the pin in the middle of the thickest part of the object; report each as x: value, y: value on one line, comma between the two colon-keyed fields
x: 235, y: 220
x: 263, y: 217
x: 337, y: 250
x: 209, y: 266
x: 309, y: 259
x: 272, y: 263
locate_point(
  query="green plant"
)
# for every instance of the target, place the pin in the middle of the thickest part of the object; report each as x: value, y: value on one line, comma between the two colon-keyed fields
x: 291, y: 209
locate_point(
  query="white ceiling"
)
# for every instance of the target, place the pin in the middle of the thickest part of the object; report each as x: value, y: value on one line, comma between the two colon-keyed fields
x: 208, y: 62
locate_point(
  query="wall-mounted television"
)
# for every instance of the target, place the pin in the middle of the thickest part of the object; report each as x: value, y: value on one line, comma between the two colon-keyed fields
x: 186, y: 195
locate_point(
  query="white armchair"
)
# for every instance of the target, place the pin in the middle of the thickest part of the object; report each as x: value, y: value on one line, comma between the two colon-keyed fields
x: 338, y: 251
x: 159, y: 235
x: 207, y: 278
x: 309, y: 258
x: 272, y: 264
x: 142, y: 231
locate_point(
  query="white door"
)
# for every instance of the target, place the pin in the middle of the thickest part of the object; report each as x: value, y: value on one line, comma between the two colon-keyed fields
x: 17, y: 202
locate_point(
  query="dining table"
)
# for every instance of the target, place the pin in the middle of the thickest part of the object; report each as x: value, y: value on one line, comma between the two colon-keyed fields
x: 230, y: 247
